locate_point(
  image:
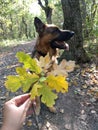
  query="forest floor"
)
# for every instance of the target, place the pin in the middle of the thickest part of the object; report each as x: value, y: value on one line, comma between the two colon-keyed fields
x: 76, y: 110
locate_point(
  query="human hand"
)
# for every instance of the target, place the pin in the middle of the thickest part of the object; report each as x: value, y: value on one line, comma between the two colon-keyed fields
x: 15, y: 112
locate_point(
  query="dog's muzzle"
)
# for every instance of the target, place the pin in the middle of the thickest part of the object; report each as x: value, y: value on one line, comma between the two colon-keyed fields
x: 60, y: 41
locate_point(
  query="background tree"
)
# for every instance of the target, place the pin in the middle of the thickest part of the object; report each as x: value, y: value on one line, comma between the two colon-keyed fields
x: 47, y: 9
x: 89, y: 13
x: 73, y: 21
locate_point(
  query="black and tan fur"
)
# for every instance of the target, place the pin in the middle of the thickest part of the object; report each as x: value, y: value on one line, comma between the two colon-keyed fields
x: 50, y: 37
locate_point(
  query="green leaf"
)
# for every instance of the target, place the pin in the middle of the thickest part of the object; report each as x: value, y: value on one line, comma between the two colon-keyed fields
x: 22, y: 57
x: 27, y: 83
x: 28, y: 62
x: 34, y: 91
x: 47, y: 96
x: 21, y: 71
x: 26, y: 79
x: 13, y: 83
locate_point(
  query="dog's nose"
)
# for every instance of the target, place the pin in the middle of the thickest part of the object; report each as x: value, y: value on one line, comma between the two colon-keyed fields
x: 72, y: 33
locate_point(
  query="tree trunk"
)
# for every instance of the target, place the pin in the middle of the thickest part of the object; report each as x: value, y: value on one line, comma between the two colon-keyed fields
x: 25, y: 27
x: 47, y: 9
x: 84, y: 15
x: 11, y: 28
x: 73, y: 21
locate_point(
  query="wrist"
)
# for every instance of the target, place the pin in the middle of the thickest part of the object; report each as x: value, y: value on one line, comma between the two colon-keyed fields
x: 6, y: 128
x: 9, y: 127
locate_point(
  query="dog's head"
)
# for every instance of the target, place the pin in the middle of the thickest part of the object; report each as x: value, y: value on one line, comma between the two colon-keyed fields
x: 52, y: 34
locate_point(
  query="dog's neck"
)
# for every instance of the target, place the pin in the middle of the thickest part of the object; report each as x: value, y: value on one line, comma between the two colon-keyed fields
x: 43, y: 47
x: 41, y: 54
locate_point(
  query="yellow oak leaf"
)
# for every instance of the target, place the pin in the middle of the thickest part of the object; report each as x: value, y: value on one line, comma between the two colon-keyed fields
x: 34, y: 91
x: 13, y: 83
x: 58, y: 83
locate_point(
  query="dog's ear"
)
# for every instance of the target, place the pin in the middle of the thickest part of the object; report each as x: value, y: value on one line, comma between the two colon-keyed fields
x: 39, y: 25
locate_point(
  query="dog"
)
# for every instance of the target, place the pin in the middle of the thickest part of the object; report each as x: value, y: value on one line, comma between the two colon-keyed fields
x: 50, y: 38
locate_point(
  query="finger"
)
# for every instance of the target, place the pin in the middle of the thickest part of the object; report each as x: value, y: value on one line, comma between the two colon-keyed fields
x: 25, y: 106
x: 29, y: 112
x: 19, y: 100
x: 31, y: 108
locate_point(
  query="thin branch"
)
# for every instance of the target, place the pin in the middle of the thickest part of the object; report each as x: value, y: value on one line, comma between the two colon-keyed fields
x: 40, y: 3
x: 46, y: 2
x: 35, y: 117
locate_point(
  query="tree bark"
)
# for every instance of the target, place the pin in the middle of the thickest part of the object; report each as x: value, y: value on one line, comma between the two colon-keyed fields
x: 73, y: 21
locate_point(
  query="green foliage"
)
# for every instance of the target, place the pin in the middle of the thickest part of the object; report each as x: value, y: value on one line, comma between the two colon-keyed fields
x: 89, y: 11
x: 31, y: 77
x: 16, y: 20
x: 58, y: 14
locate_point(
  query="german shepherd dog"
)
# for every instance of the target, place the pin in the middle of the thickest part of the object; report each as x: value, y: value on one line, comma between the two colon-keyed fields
x: 50, y: 38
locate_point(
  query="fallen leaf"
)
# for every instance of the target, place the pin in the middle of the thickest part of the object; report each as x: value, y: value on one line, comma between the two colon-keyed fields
x: 47, y: 124
x: 75, y: 83
x: 85, y: 86
x: 62, y: 111
x: 29, y: 122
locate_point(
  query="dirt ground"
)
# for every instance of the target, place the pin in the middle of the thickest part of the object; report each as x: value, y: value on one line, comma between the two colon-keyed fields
x: 76, y: 110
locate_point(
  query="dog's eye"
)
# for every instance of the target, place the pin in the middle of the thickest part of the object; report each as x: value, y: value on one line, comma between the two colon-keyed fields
x: 56, y: 30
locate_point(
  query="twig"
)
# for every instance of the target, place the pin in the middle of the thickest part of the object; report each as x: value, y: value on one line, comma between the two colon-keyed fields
x: 35, y: 117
